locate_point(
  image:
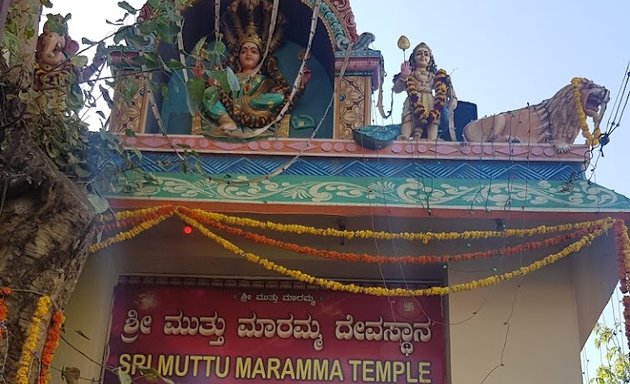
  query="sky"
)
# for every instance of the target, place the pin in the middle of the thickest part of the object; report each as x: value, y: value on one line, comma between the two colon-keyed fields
x: 501, y: 54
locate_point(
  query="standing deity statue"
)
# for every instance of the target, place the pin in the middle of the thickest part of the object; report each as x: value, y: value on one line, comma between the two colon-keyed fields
x: 429, y: 90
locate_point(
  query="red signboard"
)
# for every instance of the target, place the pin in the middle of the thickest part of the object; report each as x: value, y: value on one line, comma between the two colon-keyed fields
x: 228, y: 331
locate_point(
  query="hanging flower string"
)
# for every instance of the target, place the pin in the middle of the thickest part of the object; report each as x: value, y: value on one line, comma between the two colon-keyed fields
x: 129, y: 220
x: 623, y: 255
x: 195, y: 217
x: 50, y: 346
x: 367, y: 258
x: 4, y: 292
x: 381, y: 235
x: 362, y: 234
x: 30, y: 344
x: 122, y: 215
x: 592, y: 139
x: 623, y: 268
x: 185, y: 214
x: 380, y: 291
x: 133, y: 232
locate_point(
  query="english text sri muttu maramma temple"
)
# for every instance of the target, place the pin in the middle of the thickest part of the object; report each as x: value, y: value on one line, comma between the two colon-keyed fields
x: 305, y: 244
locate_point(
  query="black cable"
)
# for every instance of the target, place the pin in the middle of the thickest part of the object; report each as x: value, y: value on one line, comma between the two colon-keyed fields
x: 625, y: 104
x: 624, y: 82
x: 621, y: 91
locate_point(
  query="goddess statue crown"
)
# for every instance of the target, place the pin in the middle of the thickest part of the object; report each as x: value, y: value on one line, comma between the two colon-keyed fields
x: 249, y: 21
x: 250, y: 36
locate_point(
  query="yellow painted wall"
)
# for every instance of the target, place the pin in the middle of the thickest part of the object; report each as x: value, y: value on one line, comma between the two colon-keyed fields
x: 87, y: 313
x: 523, y: 331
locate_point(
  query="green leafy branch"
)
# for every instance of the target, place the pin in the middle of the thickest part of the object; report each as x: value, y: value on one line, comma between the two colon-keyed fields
x: 616, y: 366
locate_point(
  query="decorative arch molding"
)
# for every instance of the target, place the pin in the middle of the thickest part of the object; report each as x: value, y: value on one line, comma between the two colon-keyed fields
x: 338, y: 19
x: 336, y: 16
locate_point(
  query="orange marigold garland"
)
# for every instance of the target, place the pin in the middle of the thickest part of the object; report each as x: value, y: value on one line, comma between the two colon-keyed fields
x: 152, y: 221
x: 155, y: 215
x: 367, y: 258
x: 420, y: 114
x: 50, y: 346
x: 623, y: 265
x: 4, y: 292
x: 128, y: 221
x: 623, y: 252
x: 380, y: 291
x: 424, y: 237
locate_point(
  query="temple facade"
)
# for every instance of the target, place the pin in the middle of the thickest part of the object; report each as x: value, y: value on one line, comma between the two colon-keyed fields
x: 286, y: 238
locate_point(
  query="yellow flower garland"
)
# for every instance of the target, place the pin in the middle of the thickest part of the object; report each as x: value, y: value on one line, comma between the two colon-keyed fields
x: 603, y: 225
x: 122, y: 215
x: 380, y: 291
x: 130, y: 234
x: 624, y: 247
x: 381, y: 235
x: 31, y: 340
x: 362, y: 234
x: 591, y: 139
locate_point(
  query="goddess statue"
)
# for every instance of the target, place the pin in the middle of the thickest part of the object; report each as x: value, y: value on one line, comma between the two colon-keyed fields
x: 261, y: 90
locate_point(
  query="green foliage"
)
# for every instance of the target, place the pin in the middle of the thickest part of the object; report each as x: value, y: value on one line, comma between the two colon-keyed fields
x: 98, y: 161
x: 64, y: 139
x: 18, y: 29
x: 616, y: 368
x: 57, y: 24
x: 196, y: 89
x: 233, y: 81
x: 128, y: 89
x: 199, y: 49
x: 125, y: 5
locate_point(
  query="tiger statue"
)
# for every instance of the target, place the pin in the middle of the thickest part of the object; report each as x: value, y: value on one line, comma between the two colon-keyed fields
x: 557, y: 120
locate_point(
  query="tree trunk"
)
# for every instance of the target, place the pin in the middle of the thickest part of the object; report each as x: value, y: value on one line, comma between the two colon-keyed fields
x: 46, y: 226
x: 46, y: 222
x: 24, y: 17
x: 4, y: 9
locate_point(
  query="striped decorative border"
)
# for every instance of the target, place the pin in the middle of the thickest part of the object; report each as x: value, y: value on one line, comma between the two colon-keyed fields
x: 231, y: 165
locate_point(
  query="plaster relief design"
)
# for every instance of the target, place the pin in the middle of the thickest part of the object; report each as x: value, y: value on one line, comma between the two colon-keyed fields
x: 129, y: 112
x: 350, y: 108
x: 403, y: 192
x: 338, y: 19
